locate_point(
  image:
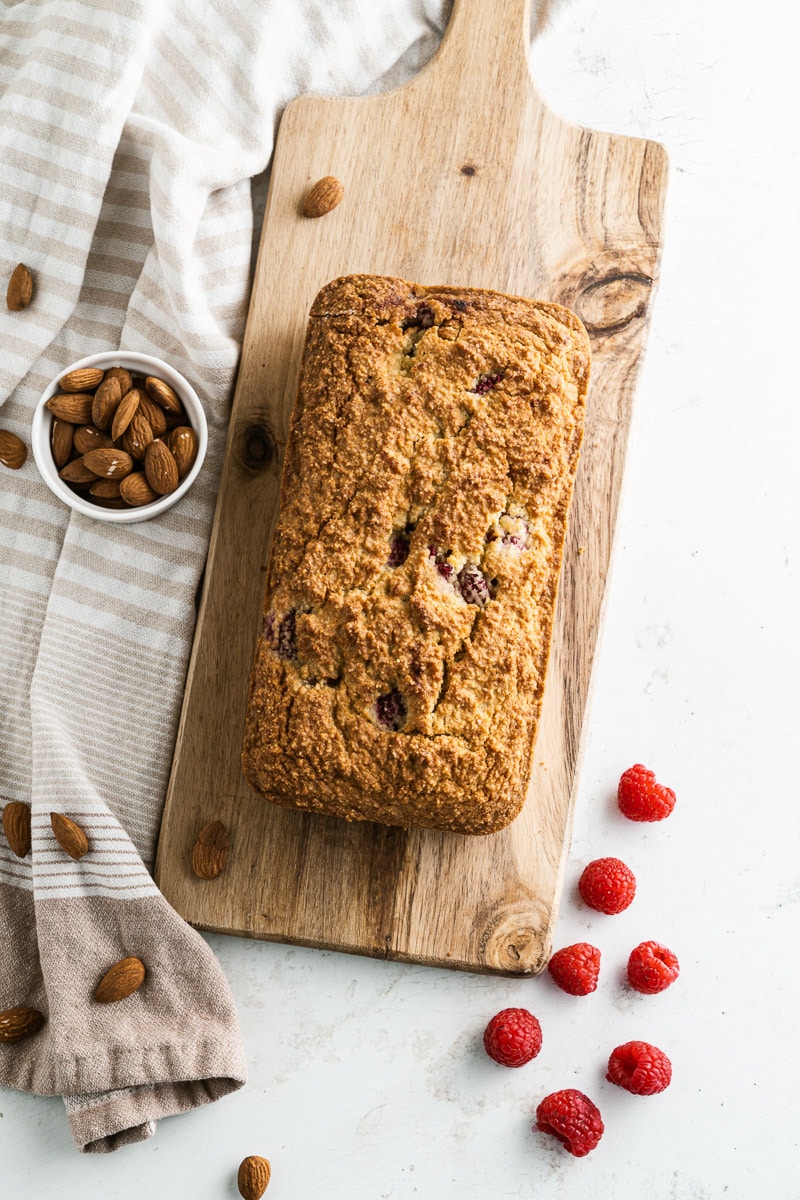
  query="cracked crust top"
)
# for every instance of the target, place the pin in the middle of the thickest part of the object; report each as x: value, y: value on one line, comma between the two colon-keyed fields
x: 429, y: 468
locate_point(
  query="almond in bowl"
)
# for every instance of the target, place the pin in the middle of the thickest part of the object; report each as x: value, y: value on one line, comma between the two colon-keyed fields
x: 119, y: 436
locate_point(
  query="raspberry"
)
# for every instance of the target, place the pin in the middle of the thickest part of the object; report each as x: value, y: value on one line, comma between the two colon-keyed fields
x: 424, y: 318
x: 652, y: 968
x: 518, y: 539
x: 607, y: 885
x: 398, y: 549
x: 442, y: 565
x: 641, y: 798
x: 472, y: 585
x: 572, y: 1118
x: 513, y: 1037
x: 282, y: 639
x: 486, y: 382
x: 390, y: 711
x: 639, y: 1068
x: 575, y: 968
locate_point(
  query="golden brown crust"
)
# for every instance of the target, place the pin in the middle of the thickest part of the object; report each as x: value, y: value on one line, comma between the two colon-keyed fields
x: 443, y: 424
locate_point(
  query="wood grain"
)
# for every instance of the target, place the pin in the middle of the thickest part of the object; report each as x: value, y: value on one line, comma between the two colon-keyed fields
x: 462, y: 176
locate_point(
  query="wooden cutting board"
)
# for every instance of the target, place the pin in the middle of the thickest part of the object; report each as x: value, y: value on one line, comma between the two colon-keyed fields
x: 464, y: 177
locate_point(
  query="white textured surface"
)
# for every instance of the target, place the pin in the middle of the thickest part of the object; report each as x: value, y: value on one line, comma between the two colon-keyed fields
x: 367, y: 1079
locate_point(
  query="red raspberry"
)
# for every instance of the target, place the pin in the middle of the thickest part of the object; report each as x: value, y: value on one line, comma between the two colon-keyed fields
x: 485, y: 383
x: 607, y: 885
x: 391, y: 711
x: 572, y: 1118
x: 652, y: 968
x: 513, y: 1037
x: 575, y: 968
x: 641, y: 798
x: 399, y: 547
x: 639, y: 1068
x: 473, y: 586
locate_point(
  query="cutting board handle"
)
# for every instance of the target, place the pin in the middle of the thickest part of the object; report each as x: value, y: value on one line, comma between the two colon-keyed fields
x: 487, y: 40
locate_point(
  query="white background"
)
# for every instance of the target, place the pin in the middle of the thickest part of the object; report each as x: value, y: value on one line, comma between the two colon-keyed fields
x: 367, y: 1079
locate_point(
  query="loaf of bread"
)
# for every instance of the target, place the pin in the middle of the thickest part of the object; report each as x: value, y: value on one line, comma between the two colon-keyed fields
x: 412, y: 581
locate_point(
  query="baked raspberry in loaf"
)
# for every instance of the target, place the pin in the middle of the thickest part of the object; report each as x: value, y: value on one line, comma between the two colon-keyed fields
x: 428, y: 472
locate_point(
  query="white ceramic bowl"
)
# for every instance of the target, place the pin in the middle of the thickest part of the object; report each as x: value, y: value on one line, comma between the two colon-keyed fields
x: 143, y: 364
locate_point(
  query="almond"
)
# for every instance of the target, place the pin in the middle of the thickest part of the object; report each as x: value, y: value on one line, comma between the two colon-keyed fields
x: 111, y: 502
x: 136, y: 491
x: 13, y: 450
x: 152, y: 413
x: 106, y: 401
x: 16, y: 1023
x: 120, y: 981
x: 123, y: 378
x: 253, y: 1177
x: 160, y: 468
x: 325, y: 194
x: 76, y: 472
x: 20, y: 288
x: 75, y: 408
x: 210, y: 852
x: 173, y: 420
x: 69, y: 836
x: 124, y: 414
x: 17, y: 827
x: 138, y: 436
x: 163, y: 394
x: 109, y: 463
x: 89, y: 437
x: 105, y: 489
x: 82, y: 380
x: 61, y: 440
x: 183, y: 445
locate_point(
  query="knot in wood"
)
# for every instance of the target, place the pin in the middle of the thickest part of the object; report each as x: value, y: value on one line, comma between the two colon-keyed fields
x: 256, y: 446
x: 609, y: 304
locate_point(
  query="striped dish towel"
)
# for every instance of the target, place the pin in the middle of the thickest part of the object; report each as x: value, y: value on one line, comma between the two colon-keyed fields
x: 129, y: 133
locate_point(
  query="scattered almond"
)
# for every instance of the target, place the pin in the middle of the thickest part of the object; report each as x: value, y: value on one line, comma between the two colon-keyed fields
x: 17, y: 827
x: 20, y: 288
x: 324, y: 196
x: 122, y: 376
x: 82, y: 380
x: 105, y: 489
x: 183, y: 445
x: 89, y: 437
x: 163, y: 394
x: 76, y: 472
x: 70, y: 837
x: 210, y: 853
x: 160, y: 468
x: 120, y: 981
x: 75, y: 408
x: 62, y: 440
x: 151, y: 412
x: 17, y: 1023
x: 253, y: 1177
x: 109, y: 463
x: 106, y: 401
x: 124, y: 414
x: 13, y: 450
x: 136, y: 491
